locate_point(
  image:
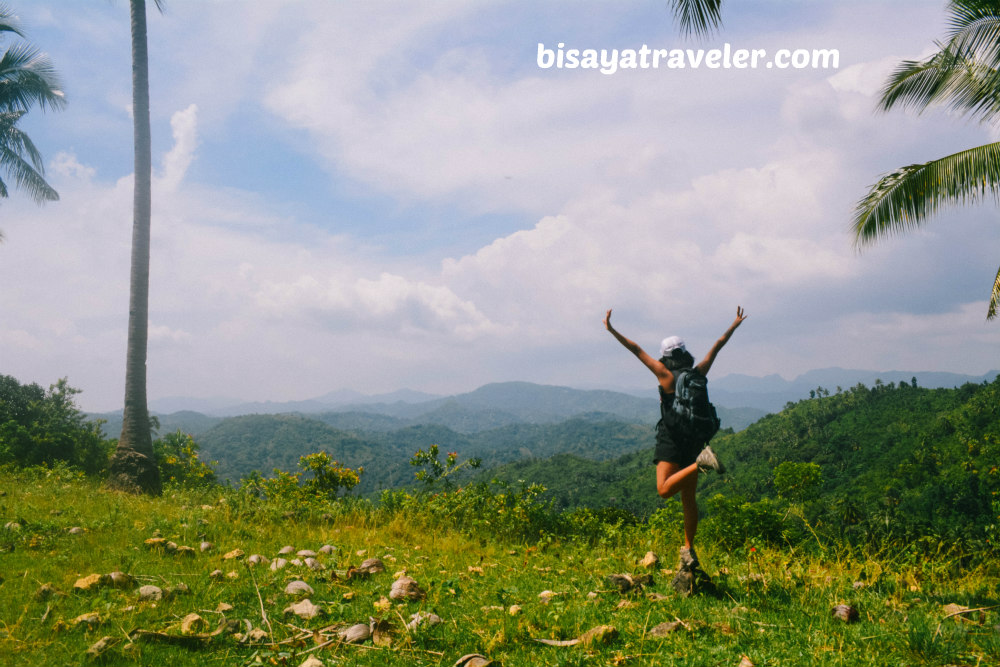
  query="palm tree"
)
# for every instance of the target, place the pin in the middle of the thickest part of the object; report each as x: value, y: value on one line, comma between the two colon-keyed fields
x: 964, y: 75
x: 27, y: 78
x: 133, y: 466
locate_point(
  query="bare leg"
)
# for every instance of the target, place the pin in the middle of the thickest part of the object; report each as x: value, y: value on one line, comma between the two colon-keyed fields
x: 671, y: 479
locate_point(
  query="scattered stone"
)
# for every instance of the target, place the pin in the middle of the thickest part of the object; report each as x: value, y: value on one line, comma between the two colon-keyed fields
x: 306, y: 553
x: 650, y: 561
x: 304, y: 609
x: 216, y: 574
x: 298, y: 587
x: 356, y: 633
x: 121, y: 580
x: 170, y: 547
x: 545, y: 596
x: 186, y: 551
x: 296, y: 562
x: 100, y: 647
x: 285, y: 550
x: 150, y: 593
x: 257, y: 559
x: 423, y: 619
x: 91, y: 618
x: 846, y: 613
x: 314, y: 564
x: 514, y: 609
x: 12, y: 525
x: 327, y: 549
x: 406, y: 588
x: 91, y: 582
x: 360, y: 552
x: 475, y: 660
x: 76, y: 530
x: 858, y: 585
x: 206, y: 546
x: 278, y: 563
x: 372, y: 566
x: 192, y: 624
x: 234, y: 554
x: 312, y: 661
x: 232, y: 574
x: 664, y: 629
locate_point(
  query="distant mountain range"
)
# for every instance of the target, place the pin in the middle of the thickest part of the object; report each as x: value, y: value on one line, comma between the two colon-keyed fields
x: 540, y: 403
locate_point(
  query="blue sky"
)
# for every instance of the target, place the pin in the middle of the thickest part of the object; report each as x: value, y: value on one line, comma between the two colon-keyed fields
x: 377, y: 195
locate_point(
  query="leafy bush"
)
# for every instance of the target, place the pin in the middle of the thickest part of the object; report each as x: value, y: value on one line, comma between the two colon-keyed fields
x: 39, y: 427
x: 288, y: 488
x: 734, y: 522
x: 177, y: 456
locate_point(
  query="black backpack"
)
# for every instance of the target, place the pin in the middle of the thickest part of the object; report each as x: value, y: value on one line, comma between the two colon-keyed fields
x: 693, y: 415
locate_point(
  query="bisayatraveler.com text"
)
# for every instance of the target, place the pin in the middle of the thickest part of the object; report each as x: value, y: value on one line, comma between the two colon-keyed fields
x: 609, y: 61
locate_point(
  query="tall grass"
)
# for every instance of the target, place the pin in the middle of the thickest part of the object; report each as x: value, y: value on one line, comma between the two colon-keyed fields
x: 772, y: 604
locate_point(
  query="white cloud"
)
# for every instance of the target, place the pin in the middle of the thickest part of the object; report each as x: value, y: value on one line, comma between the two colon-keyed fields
x: 176, y: 162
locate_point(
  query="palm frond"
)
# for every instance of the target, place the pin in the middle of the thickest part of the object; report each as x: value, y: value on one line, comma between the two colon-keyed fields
x: 904, y: 199
x: 994, y: 298
x: 700, y: 17
x: 8, y: 22
x: 27, y: 77
x: 22, y: 161
x: 975, y: 30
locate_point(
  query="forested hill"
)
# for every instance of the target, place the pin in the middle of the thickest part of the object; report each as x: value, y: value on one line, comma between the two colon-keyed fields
x: 891, y: 457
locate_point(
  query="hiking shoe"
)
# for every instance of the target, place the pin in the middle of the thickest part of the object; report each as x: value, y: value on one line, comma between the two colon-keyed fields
x: 689, y: 560
x: 707, y: 460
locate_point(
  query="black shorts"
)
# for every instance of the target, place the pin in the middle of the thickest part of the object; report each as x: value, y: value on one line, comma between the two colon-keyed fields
x: 680, y: 451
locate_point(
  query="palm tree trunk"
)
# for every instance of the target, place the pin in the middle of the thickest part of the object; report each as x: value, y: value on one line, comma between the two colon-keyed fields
x: 133, y: 466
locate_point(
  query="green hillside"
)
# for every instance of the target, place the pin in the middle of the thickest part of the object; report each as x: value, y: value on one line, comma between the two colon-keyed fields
x: 894, y: 460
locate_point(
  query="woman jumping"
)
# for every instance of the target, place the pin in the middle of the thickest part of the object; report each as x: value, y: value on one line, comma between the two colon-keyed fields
x: 678, y: 457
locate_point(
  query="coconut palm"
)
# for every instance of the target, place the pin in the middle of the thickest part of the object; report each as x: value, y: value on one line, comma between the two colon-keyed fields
x: 133, y: 466
x: 27, y: 79
x: 964, y: 76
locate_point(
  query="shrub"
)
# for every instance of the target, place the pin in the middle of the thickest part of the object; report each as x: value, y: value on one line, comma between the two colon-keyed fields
x: 177, y: 457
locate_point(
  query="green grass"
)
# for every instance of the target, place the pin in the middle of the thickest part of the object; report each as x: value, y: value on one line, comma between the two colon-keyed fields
x: 773, y: 606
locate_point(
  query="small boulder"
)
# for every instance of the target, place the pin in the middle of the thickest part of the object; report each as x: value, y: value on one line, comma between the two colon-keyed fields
x: 76, y: 530
x: 356, y: 634
x: 298, y: 587
x: 312, y: 661
x: 193, y: 624
x: 150, y: 593
x: 234, y: 554
x: 304, y: 609
x: 278, y: 563
x: 475, y: 660
x: 206, y: 546
x: 121, y: 580
x: 257, y: 559
x: 423, y: 619
x: 285, y: 550
x: 650, y: 561
x: 845, y: 612
x: 327, y: 549
x: 372, y: 566
x: 406, y: 588
x: 306, y: 553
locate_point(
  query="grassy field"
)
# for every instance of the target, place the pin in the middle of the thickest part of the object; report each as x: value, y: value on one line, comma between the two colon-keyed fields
x: 769, y: 607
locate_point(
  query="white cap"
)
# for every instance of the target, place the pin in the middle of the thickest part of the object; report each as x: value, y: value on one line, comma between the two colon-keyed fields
x: 670, y: 344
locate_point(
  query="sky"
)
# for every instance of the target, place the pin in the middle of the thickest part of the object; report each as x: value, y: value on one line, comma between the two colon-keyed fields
x: 384, y: 195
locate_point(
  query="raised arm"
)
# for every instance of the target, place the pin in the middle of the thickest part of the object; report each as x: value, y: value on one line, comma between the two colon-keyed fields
x: 661, y: 372
x: 709, y: 359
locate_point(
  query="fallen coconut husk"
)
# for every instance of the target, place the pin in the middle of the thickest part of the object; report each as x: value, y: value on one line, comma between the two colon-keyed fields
x: 602, y: 634
x: 191, y: 640
x: 475, y: 660
x: 845, y: 612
